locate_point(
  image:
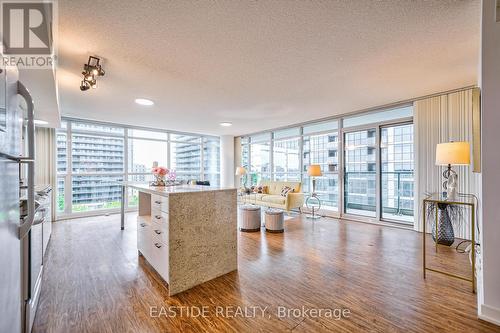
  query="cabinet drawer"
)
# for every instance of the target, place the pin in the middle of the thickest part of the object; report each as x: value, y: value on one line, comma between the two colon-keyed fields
x: 144, y: 238
x: 160, y: 259
x: 159, y: 233
x: 158, y: 216
x: 159, y: 202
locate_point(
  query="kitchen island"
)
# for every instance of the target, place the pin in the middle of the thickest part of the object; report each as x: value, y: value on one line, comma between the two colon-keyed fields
x: 187, y: 233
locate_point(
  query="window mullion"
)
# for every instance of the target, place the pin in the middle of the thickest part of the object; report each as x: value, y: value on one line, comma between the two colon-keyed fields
x: 125, y: 164
x: 68, y: 187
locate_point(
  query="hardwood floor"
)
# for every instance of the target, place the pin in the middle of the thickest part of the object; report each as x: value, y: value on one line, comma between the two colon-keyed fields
x: 94, y: 282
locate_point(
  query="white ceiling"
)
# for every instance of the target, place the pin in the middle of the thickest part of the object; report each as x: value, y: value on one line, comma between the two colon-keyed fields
x: 260, y: 64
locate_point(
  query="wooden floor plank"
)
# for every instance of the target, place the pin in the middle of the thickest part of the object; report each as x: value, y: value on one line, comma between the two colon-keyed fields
x: 95, y: 282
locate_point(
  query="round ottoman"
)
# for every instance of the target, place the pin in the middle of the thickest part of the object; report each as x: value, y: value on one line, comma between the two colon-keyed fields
x: 275, y: 220
x: 249, y: 218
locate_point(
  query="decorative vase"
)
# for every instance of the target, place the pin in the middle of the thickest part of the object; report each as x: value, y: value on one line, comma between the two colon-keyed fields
x: 159, y: 180
x: 445, y: 234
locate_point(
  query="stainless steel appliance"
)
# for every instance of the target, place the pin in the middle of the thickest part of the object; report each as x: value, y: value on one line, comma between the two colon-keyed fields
x: 18, y: 234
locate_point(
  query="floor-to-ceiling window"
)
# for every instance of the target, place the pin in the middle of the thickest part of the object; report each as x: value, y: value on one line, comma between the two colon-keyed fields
x: 378, y: 165
x: 320, y: 146
x: 286, y: 154
x: 211, y: 160
x: 144, y: 148
x: 360, y: 174
x: 62, y: 168
x: 260, y: 158
x: 366, y: 162
x: 185, y: 156
x: 92, y: 157
x: 97, y: 163
x: 396, y: 145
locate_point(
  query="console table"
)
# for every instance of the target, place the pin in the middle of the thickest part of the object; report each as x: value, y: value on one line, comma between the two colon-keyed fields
x: 437, y: 198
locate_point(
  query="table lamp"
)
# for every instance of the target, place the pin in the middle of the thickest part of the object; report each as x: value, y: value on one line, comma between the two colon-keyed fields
x: 448, y: 154
x: 314, y: 170
x: 241, y: 171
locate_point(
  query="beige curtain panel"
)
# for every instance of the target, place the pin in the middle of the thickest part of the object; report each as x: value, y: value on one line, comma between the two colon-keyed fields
x: 439, y: 119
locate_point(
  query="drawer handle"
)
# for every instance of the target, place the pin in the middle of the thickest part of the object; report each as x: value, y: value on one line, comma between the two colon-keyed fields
x: 157, y: 202
x: 158, y: 217
x: 157, y: 245
x: 158, y: 232
x: 143, y: 225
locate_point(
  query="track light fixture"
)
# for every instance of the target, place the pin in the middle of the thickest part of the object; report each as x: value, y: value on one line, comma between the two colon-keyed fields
x: 91, y: 70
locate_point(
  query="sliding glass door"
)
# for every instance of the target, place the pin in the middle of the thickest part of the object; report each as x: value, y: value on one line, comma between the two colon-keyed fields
x: 360, y: 172
x: 397, y: 179
x: 379, y: 171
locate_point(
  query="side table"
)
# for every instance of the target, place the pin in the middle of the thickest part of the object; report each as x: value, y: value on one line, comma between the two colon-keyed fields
x: 437, y: 198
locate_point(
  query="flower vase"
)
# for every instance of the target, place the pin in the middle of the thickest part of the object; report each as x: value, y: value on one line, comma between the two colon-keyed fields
x: 159, y: 180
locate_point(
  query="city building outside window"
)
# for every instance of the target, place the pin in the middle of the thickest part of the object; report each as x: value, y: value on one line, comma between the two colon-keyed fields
x: 93, y: 157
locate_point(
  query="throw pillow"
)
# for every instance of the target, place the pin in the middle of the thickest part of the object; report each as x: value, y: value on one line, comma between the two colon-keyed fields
x: 260, y: 189
x: 285, y: 190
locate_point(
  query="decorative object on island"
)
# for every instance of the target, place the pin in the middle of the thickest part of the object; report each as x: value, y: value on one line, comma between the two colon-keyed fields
x: 463, y: 201
x: 448, y: 154
x: 313, y: 202
x: 241, y: 172
x: 159, y: 174
x: 91, y: 70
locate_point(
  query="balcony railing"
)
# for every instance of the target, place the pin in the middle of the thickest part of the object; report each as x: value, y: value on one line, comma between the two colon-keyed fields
x: 360, y: 192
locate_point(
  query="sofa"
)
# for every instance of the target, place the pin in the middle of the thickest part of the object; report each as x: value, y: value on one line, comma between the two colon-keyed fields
x: 273, y: 198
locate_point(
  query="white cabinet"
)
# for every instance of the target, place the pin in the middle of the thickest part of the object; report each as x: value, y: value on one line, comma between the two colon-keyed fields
x: 152, y: 232
x: 159, y: 203
x: 159, y: 258
x: 160, y: 232
x: 159, y: 217
x: 144, y: 236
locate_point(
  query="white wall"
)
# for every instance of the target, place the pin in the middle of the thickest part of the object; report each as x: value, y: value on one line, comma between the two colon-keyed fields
x: 227, y: 161
x: 489, y: 300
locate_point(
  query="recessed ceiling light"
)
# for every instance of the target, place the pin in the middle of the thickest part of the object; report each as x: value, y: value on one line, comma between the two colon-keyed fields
x: 226, y: 124
x: 40, y: 122
x: 144, y: 101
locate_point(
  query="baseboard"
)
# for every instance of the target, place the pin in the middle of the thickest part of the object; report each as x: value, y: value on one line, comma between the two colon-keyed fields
x: 489, y: 313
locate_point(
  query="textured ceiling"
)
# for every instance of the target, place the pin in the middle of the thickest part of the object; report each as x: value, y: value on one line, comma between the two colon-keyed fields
x: 260, y: 64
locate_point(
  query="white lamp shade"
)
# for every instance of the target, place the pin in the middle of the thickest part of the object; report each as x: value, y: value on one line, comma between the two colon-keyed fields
x: 241, y: 171
x: 453, y: 153
x: 314, y: 170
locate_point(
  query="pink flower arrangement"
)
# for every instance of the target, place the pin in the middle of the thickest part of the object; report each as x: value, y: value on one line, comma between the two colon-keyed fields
x: 160, y: 171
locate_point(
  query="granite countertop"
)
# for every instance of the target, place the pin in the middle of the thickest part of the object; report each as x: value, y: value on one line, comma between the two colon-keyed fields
x: 176, y: 189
